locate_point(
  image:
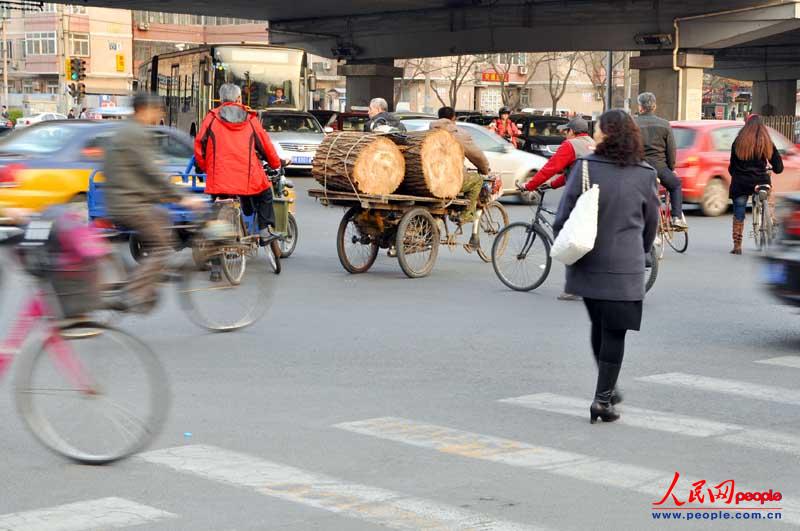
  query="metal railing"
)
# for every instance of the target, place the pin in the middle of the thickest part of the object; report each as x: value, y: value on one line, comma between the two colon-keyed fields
x: 783, y: 124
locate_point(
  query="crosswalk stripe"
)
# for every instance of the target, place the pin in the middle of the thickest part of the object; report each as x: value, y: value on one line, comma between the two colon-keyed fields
x: 667, y: 422
x: 372, y: 504
x: 783, y: 361
x: 769, y: 393
x: 103, y: 513
x: 452, y: 441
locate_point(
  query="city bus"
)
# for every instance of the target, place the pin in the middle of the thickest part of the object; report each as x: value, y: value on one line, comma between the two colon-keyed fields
x: 189, y: 80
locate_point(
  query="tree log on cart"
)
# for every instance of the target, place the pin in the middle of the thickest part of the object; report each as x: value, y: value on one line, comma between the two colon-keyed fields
x: 434, y: 165
x: 359, y: 162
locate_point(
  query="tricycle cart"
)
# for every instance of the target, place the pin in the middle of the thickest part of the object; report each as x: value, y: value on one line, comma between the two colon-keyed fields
x: 410, y: 227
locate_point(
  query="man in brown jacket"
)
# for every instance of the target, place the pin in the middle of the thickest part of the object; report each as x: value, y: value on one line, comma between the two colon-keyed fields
x: 472, y: 183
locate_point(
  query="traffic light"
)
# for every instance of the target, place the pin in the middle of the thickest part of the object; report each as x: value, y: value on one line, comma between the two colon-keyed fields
x: 81, y: 91
x: 72, y: 89
x: 81, y: 69
x: 74, y: 68
x: 68, y: 69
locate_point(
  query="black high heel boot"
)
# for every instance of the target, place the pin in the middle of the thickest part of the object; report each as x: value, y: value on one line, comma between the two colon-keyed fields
x: 602, y: 408
x: 616, y: 394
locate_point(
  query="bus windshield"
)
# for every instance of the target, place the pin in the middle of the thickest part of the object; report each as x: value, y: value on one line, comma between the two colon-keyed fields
x: 269, y: 78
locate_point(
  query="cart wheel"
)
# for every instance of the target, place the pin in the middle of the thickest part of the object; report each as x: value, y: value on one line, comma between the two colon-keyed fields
x: 289, y: 242
x: 493, y: 218
x: 417, y: 242
x: 138, y: 252
x: 357, y: 251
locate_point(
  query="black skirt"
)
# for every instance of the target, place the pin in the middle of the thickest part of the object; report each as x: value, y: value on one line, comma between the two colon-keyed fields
x: 615, y: 315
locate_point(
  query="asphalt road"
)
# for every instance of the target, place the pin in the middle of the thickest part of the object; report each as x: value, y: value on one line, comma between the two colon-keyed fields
x: 447, y: 402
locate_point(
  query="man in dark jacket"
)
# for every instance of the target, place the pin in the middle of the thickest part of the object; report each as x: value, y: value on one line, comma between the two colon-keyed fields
x: 659, y: 152
x: 229, y: 148
x: 381, y: 120
x: 134, y: 189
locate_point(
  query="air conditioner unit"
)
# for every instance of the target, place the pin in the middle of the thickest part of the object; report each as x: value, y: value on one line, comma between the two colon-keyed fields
x: 144, y: 26
x: 523, y: 69
x: 326, y: 65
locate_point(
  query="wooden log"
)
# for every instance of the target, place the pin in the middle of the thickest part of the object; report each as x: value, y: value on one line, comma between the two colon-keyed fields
x: 434, y: 164
x: 366, y: 163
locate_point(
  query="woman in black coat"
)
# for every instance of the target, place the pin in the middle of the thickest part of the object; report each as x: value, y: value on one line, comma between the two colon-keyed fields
x: 750, y: 153
x: 611, y: 277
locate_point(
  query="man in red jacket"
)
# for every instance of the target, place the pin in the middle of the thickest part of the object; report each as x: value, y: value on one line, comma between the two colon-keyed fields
x: 578, y: 144
x: 229, y: 148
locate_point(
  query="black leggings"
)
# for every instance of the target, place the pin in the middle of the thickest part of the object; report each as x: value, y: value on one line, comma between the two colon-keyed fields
x: 608, y: 345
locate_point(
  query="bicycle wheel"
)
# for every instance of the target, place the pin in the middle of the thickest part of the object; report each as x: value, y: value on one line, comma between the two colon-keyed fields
x: 417, y: 243
x: 766, y: 226
x: 233, y: 258
x: 757, y: 234
x: 493, y: 218
x: 357, y: 251
x: 92, y: 393
x: 521, y: 256
x: 219, y: 305
x: 651, y: 272
x: 678, y: 240
x: 289, y: 242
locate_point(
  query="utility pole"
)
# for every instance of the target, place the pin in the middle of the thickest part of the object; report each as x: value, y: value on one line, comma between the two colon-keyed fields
x: 61, y: 39
x: 5, y: 56
x: 610, y: 81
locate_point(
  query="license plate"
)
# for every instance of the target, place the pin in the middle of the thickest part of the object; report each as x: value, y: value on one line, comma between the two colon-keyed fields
x: 774, y: 273
x: 38, y: 231
x: 302, y: 160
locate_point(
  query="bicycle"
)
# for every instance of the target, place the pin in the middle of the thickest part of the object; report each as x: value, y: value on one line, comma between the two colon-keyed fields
x: 521, y: 238
x: 676, y: 237
x: 63, y: 387
x: 763, y: 226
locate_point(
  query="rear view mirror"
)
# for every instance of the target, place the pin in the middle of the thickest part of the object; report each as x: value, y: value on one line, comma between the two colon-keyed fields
x: 328, y: 130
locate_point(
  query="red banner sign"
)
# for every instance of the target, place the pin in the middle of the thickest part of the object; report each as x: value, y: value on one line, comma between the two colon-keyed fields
x: 494, y: 76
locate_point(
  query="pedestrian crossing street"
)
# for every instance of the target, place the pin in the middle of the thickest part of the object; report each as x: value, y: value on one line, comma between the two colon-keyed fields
x: 382, y: 507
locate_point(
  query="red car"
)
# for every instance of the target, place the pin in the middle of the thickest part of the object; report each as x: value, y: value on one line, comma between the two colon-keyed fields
x: 342, y: 121
x: 704, y: 151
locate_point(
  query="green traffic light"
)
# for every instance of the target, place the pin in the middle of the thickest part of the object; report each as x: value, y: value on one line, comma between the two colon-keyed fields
x: 74, y: 76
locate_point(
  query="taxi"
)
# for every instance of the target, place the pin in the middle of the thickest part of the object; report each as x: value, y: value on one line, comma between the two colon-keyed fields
x: 50, y: 163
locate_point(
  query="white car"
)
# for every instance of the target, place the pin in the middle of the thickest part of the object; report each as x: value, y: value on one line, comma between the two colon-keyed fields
x: 25, y: 121
x: 511, y: 163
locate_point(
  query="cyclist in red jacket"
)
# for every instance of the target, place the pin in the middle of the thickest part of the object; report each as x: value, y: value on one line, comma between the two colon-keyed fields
x: 229, y: 148
x: 505, y: 127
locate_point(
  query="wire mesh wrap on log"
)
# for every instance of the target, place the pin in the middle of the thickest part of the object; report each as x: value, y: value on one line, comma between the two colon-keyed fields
x: 434, y: 164
x: 359, y: 162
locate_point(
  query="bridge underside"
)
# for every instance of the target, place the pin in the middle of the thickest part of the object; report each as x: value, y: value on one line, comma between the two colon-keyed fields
x: 755, y: 40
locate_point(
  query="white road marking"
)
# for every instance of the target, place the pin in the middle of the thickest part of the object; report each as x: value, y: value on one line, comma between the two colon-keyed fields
x: 104, y: 513
x: 769, y: 393
x: 372, y: 504
x: 783, y: 361
x: 648, y: 481
x: 668, y: 422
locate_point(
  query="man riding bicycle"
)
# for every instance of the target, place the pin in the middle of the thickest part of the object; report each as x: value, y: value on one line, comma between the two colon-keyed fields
x: 229, y: 148
x: 659, y: 152
x: 135, y: 188
x: 472, y: 183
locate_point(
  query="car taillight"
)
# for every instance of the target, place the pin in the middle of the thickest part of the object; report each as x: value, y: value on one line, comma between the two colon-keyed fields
x: 8, y: 174
x: 690, y: 161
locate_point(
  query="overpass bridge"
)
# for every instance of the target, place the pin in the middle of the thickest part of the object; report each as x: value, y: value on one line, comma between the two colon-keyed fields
x: 756, y: 40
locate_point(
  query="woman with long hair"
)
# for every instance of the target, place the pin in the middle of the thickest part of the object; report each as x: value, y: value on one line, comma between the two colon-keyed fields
x: 611, y: 277
x: 750, y: 153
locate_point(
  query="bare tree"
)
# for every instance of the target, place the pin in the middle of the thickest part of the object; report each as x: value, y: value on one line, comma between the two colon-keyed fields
x: 558, y: 78
x: 456, y: 69
x: 502, y: 64
x: 413, y: 70
x: 594, y: 66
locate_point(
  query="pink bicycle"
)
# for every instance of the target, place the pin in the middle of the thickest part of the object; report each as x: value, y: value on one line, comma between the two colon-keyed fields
x: 85, y: 390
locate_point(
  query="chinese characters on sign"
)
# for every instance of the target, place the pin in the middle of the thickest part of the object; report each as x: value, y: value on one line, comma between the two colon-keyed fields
x: 120, y: 62
x: 494, y: 76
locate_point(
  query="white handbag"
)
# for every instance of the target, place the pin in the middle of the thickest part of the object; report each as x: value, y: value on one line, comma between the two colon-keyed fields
x: 578, y: 234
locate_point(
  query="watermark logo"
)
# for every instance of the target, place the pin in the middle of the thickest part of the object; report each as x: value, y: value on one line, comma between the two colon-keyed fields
x: 711, y: 502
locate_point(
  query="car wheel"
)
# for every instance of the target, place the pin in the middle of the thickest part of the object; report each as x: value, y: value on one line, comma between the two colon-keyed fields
x: 715, y: 198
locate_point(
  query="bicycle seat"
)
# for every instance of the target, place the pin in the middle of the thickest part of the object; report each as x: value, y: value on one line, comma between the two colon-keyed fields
x: 763, y: 188
x: 227, y: 200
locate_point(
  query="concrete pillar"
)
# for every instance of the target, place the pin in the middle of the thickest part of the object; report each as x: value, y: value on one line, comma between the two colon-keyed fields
x: 370, y: 80
x: 775, y: 98
x: 656, y: 75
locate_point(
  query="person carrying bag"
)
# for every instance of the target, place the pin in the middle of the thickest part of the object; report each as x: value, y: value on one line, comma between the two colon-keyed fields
x: 577, y: 236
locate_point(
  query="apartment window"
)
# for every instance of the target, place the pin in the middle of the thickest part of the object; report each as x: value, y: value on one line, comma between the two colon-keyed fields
x: 79, y: 43
x: 52, y: 88
x: 9, y: 45
x: 76, y: 10
x: 27, y: 87
x: 40, y: 43
x: 48, y: 8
